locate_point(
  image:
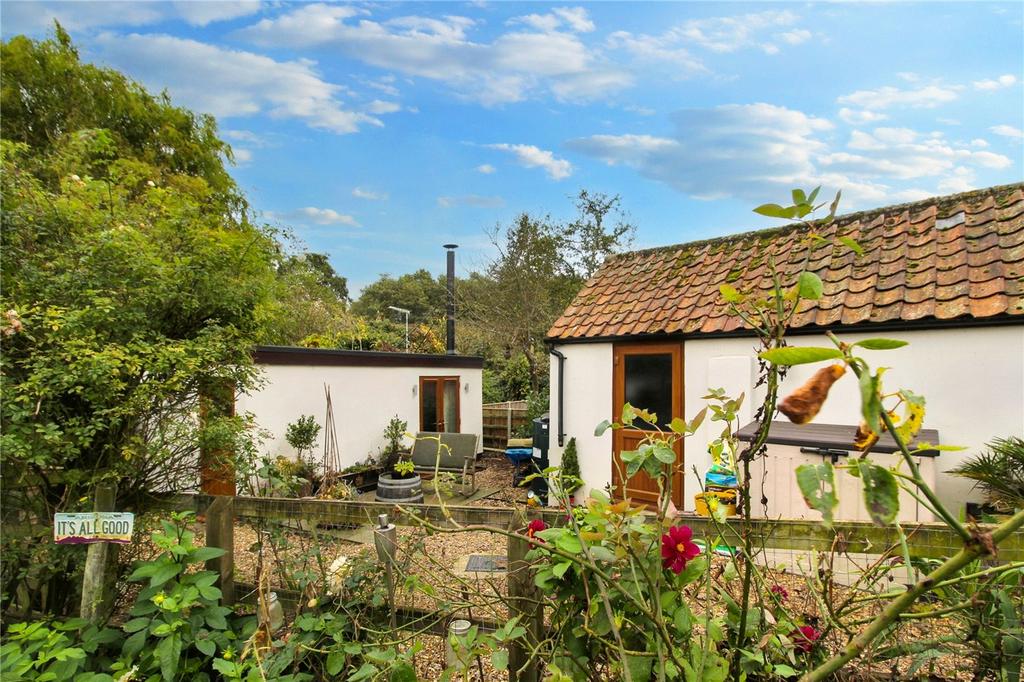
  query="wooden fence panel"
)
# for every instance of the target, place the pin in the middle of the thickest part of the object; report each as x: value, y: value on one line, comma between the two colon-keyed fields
x: 501, y: 421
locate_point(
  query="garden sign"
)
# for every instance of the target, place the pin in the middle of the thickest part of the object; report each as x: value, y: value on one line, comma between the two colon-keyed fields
x: 83, y: 529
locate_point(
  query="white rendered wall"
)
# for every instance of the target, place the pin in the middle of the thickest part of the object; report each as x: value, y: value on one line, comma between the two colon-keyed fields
x: 588, y: 401
x: 363, y: 398
x: 972, y: 380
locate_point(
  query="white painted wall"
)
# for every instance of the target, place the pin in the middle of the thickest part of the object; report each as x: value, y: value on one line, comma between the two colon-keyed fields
x: 588, y: 401
x: 364, y: 399
x: 972, y: 379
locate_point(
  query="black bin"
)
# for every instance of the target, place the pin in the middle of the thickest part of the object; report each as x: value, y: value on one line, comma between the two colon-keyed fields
x: 541, y: 429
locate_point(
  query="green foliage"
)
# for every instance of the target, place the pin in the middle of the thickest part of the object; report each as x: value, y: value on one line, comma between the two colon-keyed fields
x: 177, y: 626
x: 422, y: 294
x: 404, y: 468
x: 53, y: 650
x: 48, y: 96
x: 799, y: 355
x: 136, y: 278
x: 394, y: 434
x: 818, y: 486
x: 999, y: 472
x: 570, y: 470
x: 302, y: 433
x: 536, y: 405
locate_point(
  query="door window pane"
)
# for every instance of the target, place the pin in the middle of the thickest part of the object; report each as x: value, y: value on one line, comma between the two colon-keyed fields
x: 648, y: 385
x: 451, y: 405
x: 439, y: 404
x: 428, y: 406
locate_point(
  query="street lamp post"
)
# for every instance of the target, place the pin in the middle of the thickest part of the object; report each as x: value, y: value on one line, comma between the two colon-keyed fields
x: 406, y: 313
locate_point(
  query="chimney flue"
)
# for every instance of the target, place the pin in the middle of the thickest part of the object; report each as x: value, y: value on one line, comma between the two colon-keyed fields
x: 450, y: 341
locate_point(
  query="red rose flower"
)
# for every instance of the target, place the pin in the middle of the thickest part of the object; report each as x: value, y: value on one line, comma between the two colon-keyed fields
x: 535, y: 526
x: 804, y: 638
x: 779, y: 591
x: 677, y: 548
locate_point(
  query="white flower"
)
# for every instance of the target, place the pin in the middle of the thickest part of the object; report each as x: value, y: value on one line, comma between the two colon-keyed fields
x: 336, y: 574
x: 75, y: 178
x: 150, y: 183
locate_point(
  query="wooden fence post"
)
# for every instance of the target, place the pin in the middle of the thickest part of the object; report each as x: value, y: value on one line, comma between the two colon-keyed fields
x: 98, y: 576
x: 220, y: 532
x: 524, y: 600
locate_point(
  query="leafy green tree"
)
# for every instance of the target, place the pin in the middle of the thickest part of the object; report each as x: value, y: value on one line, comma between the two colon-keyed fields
x: 134, y: 283
x: 308, y: 300
x: 422, y: 294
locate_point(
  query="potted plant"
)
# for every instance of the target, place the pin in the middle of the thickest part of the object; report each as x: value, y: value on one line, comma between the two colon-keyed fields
x: 569, y: 475
x: 398, y: 481
x: 301, y: 435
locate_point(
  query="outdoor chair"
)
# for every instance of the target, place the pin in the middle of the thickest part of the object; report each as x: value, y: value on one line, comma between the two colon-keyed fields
x: 457, y: 455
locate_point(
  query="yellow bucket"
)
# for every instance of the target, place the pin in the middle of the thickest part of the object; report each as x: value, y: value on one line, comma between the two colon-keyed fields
x: 704, y: 501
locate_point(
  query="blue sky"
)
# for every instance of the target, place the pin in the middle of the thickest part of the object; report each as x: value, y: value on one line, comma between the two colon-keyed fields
x: 380, y: 131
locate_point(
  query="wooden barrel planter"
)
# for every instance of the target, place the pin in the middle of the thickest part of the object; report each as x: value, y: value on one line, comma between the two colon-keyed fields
x: 399, y: 490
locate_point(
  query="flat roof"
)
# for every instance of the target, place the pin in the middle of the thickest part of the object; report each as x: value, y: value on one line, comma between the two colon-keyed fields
x: 336, y: 357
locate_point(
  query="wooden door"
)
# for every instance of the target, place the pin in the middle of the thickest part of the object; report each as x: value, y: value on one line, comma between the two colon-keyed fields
x: 647, y: 376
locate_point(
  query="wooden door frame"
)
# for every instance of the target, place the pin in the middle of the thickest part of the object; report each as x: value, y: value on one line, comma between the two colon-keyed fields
x: 439, y: 408
x: 619, y: 351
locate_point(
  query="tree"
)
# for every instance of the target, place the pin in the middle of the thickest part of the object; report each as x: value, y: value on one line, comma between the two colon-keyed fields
x: 539, y: 267
x: 134, y: 283
x: 320, y: 267
x: 590, y: 239
x: 422, y: 294
x: 308, y: 300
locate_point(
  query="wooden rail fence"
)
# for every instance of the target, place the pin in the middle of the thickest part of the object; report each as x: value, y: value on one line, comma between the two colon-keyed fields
x: 926, y: 540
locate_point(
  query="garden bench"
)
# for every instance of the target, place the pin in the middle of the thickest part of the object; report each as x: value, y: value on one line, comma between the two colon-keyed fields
x: 457, y: 455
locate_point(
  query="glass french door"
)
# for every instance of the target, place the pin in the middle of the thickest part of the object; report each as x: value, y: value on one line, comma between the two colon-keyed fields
x: 439, y: 404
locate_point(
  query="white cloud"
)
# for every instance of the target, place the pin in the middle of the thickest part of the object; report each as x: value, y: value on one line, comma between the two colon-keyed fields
x: 323, y: 216
x: 860, y: 116
x: 474, y: 200
x: 664, y: 48
x: 905, y: 154
x: 541, y: 22
x: 887, y: 97
x: 573, y: 18
x: 960, y: 180
x: 756, y: 151
x: 908, y: 76
x: 242, y: 156
x: 715, y: 34
x: 576, y: 17
x: 378, y: 106
x: 34, y: 17
x: 1004, y: 81
x: 204, y: 12
x: 731, y: 149
x: 1008, y: 131
x: 486, y: 169
x: 795, y: 37
x: 728, y: 34
x: 369, y: 195
x: 978, y: 142
x: 518, y: 64
x: 534, y: 157
x: 246, y: 136
x: 228, y: 83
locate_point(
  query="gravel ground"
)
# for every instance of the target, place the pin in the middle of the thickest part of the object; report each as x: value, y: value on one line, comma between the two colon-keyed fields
x: 439, y: 561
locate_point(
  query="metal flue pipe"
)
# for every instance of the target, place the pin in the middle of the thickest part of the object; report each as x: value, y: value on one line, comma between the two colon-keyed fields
x: 450, y: 331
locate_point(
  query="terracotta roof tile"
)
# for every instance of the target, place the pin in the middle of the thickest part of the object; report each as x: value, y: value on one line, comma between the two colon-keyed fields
x: 941, y: 258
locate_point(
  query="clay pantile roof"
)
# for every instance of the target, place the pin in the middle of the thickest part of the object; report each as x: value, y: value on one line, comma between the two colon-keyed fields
x: 959, y: 256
